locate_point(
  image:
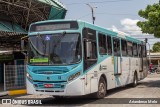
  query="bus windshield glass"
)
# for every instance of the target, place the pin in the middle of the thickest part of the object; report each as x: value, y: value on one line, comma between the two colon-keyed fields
x: 55, y: 49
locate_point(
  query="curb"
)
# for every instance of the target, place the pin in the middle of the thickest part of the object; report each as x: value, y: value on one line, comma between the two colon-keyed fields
x: 3, y: 93
x: 17, y: 92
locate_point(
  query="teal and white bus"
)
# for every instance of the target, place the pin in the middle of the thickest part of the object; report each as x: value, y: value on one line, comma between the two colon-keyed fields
x: 73, y: 58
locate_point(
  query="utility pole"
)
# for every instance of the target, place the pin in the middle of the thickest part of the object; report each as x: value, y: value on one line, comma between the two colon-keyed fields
x: 146, y: 41
x: 92, y: 9
x: 149, y: 54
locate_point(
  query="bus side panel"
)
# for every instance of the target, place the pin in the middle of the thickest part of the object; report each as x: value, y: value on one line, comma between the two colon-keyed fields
x: 135, y: 68
x: 111, y: 82
x: 126, y: 75
x: 93, y: 75
x: 75, y: 87
x: 87, y: 85
x: 91, y: 80
x: 145, y: 67
x: 94, y: 82
x: 141, y: 75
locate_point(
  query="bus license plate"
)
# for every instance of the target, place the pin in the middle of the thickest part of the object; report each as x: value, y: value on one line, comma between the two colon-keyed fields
x: 48, y: 85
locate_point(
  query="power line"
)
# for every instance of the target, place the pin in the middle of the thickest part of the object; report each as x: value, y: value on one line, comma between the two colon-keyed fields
x: 79, y: 3
x: 118, y: 14
x: 84, y: 16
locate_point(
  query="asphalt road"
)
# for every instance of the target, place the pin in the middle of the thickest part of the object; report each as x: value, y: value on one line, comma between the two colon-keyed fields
x: 148, y: 88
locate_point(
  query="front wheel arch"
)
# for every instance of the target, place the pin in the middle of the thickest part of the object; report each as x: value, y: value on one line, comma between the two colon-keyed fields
x: 103, y: 75
x: 102, y: 88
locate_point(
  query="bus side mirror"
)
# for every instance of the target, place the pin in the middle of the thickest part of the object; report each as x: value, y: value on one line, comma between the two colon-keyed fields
x: 24, y: 41
x: 88, y: 49
x: 146, y: 40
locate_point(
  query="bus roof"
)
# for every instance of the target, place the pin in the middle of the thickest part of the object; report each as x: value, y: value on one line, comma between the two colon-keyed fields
x: 101, y: 29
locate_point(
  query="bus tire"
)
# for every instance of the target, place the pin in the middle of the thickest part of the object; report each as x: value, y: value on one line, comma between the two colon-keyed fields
x: 101, y: 93
x: 135, y: 80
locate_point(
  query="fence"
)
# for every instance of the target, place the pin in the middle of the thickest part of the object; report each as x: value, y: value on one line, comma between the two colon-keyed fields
x: 14, y: 77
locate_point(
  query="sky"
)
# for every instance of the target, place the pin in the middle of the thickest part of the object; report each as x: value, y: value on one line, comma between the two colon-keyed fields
x: 111, y: 14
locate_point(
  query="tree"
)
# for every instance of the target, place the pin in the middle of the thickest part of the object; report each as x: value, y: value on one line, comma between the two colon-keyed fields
x: 152, y: 23
x: 156, y: 47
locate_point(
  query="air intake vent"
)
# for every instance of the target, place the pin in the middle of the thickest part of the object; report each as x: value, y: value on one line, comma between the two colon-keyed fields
x: 51, y: 71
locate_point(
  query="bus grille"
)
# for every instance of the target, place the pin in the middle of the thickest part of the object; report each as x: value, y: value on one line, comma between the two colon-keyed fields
x: 50, y: 90
x: 51, y: 71
x: 50, y: 81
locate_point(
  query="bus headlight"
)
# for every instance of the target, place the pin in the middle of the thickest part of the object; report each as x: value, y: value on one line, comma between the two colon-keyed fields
x: 28, y: 76
x: 72, y: 77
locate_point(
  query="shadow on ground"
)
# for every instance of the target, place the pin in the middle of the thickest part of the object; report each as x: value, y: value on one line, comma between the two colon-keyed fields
x: 87, y: 99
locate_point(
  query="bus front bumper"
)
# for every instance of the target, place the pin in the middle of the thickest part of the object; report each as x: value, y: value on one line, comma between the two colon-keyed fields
x: 73, y: 88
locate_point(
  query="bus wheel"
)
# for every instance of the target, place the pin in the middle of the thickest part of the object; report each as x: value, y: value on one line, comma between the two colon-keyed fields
x: 101, y: 93
x: 135, y: 80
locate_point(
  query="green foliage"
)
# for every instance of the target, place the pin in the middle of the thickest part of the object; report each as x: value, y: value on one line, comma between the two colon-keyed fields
x: 152, y: 23
x: 156, y: 47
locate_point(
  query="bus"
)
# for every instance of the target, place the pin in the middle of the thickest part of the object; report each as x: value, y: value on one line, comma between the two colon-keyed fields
x: 75, y: 58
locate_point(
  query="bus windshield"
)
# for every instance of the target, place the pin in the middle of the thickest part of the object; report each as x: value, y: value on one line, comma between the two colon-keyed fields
x: 55, y: 49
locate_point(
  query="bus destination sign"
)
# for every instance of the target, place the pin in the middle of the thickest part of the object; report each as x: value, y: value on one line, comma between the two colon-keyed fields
x: 52, y: 26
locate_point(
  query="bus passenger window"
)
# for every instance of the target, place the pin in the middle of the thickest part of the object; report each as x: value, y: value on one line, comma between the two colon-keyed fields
x: 144, y: 51
x: 90, y: 47
x: 139, y: 50
x: 90, y: 50
x: 135, y: 52
x: 124, y: 47
x: 109, y: 44
x: 130, y: 48
x: 116, y: 44
x: 102, y: 44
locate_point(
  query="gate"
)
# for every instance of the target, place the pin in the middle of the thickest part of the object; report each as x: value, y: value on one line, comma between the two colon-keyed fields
x: 14, y: 77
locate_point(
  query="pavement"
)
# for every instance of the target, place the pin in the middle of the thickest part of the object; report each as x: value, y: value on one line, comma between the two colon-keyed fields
x: 147, y: 89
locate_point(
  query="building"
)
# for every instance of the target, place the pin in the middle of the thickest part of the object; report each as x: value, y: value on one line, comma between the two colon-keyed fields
x: 15, y: 18
x: 154, y: 59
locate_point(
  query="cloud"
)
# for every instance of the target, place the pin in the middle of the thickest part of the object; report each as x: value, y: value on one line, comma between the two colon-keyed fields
x: 130, y: 26
x: 114, y: 28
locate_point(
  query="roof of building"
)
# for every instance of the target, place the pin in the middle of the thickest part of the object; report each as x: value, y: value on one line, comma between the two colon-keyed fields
x: 17, y: 15
x: 25, y: 12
